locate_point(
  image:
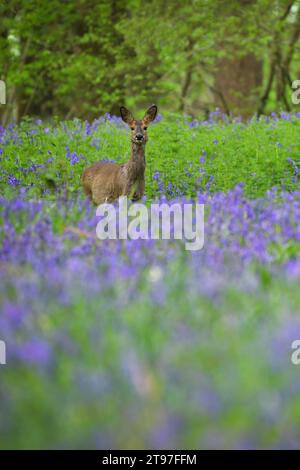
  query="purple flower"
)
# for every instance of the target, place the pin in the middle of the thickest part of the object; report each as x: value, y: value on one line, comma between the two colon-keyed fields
x: 295, y: 166
x: 72, y: 156
x: 157, y: 176
x: 35, y: 351
x: 13, y: 181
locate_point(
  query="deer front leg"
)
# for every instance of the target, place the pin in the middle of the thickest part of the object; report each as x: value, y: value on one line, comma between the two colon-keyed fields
x: 139, y: 191
x: 128, y: 190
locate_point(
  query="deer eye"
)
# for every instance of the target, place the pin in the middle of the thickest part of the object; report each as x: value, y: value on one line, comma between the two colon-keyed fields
x: 132, y: 128
x: 145, y: 128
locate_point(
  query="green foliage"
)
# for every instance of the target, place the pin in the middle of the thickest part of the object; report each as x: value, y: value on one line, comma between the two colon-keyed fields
x: 86, y: 58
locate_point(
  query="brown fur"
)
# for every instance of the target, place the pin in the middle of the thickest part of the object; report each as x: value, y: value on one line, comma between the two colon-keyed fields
x: 106, y: 182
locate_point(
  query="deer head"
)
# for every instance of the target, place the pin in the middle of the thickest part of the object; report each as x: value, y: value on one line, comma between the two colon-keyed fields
x: 139, y: 127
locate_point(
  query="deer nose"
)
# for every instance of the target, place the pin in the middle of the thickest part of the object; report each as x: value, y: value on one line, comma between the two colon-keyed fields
x: 139, y: 137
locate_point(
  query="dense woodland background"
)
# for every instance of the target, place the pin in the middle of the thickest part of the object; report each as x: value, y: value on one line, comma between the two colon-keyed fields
x: 84, y: 58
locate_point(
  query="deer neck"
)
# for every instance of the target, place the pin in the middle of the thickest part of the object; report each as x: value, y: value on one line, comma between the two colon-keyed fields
x: 137, y: 162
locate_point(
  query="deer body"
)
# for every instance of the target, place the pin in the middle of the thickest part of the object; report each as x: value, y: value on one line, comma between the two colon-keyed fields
x: 106, y: 182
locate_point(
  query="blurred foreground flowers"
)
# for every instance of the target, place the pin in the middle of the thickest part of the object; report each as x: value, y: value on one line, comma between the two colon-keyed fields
x: 141, y: 344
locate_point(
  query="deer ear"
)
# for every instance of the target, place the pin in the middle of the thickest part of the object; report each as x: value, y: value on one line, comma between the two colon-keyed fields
x: 150, y: 114
x: 126, y: 115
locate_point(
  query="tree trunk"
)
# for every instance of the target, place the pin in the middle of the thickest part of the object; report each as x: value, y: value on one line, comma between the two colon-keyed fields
x: 238, y: 79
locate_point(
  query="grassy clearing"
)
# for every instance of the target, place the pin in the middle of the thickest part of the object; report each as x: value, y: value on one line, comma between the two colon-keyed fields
x: 183, y: 157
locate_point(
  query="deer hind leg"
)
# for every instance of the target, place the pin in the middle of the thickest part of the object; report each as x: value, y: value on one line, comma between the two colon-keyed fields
x: 87, y: 190
x: 100, y: 198
x: 127, y: 190
x: 104, y: 194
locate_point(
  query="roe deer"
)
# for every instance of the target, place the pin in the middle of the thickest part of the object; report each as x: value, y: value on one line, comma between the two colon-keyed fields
x: 105, y: 182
